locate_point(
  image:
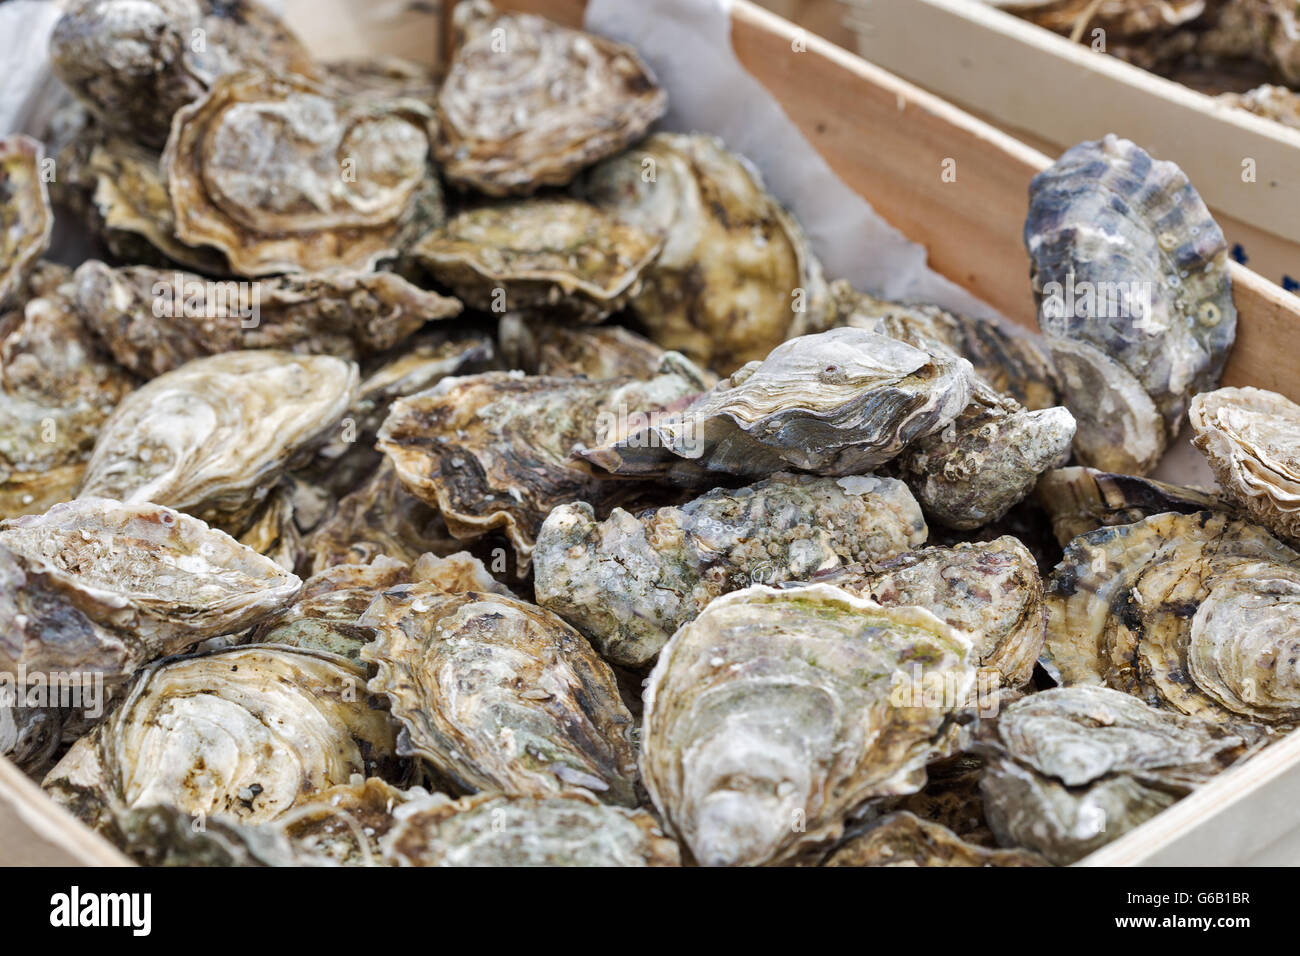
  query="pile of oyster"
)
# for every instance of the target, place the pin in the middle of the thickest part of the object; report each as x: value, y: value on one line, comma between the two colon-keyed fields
x: 450, y: 471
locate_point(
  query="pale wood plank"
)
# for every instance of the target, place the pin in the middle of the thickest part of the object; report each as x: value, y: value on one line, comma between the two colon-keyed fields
x: 35, y: 831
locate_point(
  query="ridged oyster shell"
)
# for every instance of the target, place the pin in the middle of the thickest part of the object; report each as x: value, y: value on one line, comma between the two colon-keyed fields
x: 541, y: 347
x: 1076, y: 767
x: 555, y: 254
x: 492, y: 829
x: 495, y: 450
x: 29, y: 736
x: 212, y: 437
x: 244, y: 733
x: 164, y: 835
x: 136, y: 62
x: 528, y: 103
x: 26, y: 220
x: 342, y: 184
x: 345, y: 823
x: 1251, y: 438
x: 98, y: 587
x: 345, y: 314
x: 629, y: 582
x: 1196, y: 613
x: 835, y: 403
x: 498, y: 694
x: 1108, y: 219
x: 775, y: 714
x: 904, y: 839
x: 736, y: 276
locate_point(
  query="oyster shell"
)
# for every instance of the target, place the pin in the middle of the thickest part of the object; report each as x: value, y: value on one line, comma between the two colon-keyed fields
x: 346, y: 823
x: 498, y: 694
x: 539, y: 347
x: 29, y: 736
x: 1251, y: 438
x: 775, y: 714
x: 274, y: 532
x: 990, y: 591
x: 628, y: 583
x: 494, y: 450
x: 136, y: 62
x: 379, y: 77
x: 26, y: 220
x: 736, y: 276
x: 1194, y: 613
x: 1135, y: 297
x: 154, y: 321
x: 556, y: 254
x: 338, y: 184
x: 163, y: 835
x: 1121, y: 18
x: 989, y: 458
x: 1076, y: 767
x: 904, y: 839
x: 492, y: 829
x: 214, y: 436
x: 99, y: 587
x: 1009, y: 359
x: 244, y: 734
x: 836, y: 403
x: 528, y: 103
x: 1272, y: 102
x: 1080, y: 500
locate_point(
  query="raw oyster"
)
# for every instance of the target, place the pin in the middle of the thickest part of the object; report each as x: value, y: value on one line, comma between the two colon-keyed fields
x: 1195, y: 613
x: 904, y: 839
x: 1135, y: 297
x: 26, y: 220
x: 282, y: 178
x: 736, y: 276
x: 990, y: 591
x: 1251, y: 439
x: 57, y: 387
x: 346, y: 823
x: 1080, y: 500
x: 243, y: 734
x: 1009, y: 359
x: 1073, y: 768
x: 528, y: 103
x: 835, y: 403
x: 493, y: 829
x: 154, y: 321
x: 557, y: 254
x: 498, y: 694
x: 136, y: 62
x: 214, y: 436
x: 989, y: 458
x: 96, y: 587
x: 494, y: 450
x: 539, y: 347
x: 775, y: 714
x: 629, y: 582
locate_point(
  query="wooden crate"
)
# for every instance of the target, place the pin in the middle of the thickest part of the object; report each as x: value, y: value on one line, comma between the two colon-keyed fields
x: 1052, y: 93
x: 888, y: 140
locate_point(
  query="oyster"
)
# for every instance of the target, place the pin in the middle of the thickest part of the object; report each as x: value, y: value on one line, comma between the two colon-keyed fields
x: 98, y: 587
x: 26, y: 220
x: 1080, y: 500
x: 775, y: 714
x: 989, y: 458
x: 1135, y: 297
x: 163, y: 835
x: 29, y: 736
x: 274, y: 532
x: 502, y: 830
x: 244, y: 734
x: 214, y: 436
x: 1193, y: 613
x: 736, y: 276
x: 1122, y: 18
x: 539, y: 347
x: 629, y: 582
x: 498, y: 694
x: 1272, y: 102
x: 528, y: 103
x: 494, y: 450
x: 1075, y: 767
x: 1251, y: 439
x: 136, y: 62
x: 346, y: 823
x: 557, y: 254
x: 835, y: 403
x: 281, y: 178
x: 904, y: 839
x: 1009, y: 359
x: 990, y: 591
x: 154, y: 321
x: 379, y: 77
